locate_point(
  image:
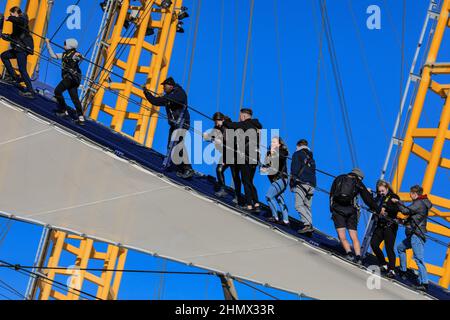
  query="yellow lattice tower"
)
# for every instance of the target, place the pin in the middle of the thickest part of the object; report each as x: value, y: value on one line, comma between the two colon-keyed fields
x: 434, y: 158
x: 38, y: 12
x: 163, y: 21
x: 76, y: 277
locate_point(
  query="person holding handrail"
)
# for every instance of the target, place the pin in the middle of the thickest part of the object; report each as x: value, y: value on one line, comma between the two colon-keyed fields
x: 71, y: 77
x: 386, y: 227
x: 175, y: 101
x: 416, y: 230
x: 22, y: 46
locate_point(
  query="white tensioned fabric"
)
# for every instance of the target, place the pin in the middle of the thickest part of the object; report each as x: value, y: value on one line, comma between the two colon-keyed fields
x: 50, y: 177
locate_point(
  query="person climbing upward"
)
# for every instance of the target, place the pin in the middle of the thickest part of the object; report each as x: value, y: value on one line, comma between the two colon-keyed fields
x: 71, y: 77
x: 275, y: 166
x: 22, y: 46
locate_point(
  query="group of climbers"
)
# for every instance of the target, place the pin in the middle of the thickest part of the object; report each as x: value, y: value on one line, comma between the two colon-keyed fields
x: 239, y: 145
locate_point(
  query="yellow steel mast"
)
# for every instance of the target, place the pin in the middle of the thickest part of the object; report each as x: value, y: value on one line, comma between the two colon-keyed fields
x: 157, y: 17
x: 417, y: 140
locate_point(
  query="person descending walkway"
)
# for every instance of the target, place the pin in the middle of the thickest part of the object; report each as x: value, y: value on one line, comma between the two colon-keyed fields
x: 218, y: 137
x: 303, y: 182
x: 345, y: 211
x: 386, y: 227
x: 245, y: 134
x: 22, y: 46
x: 176, y: 103
x: 275, y: 166
x: 71, y: 77
x: 416, y: 229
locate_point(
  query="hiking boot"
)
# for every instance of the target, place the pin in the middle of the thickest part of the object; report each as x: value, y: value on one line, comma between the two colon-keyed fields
x: 221, y: 193
x: 272, y: 219
x: 306, y: 229
x: 285, y: 223
x: 422, y: 287
x: 81, y: 120
x: 61, y: 113
x: 10, y: 80
x: 358, y: 260
x: 384, y: 268
x: 27, y: 94
x: 403, y: 274
x: 391, y: 274
x: 189, y: 173
x: 350, y: 256
x: 235, y: 200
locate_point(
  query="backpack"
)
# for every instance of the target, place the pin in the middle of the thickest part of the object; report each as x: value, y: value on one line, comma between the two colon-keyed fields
x: 345, y: 190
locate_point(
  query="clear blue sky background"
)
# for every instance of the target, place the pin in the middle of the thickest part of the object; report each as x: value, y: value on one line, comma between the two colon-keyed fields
x: 281, y: 88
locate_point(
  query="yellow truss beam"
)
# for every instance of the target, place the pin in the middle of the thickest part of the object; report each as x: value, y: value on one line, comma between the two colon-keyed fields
x: 435, y: 157
x: 107, y: 283
x: 154, y: 70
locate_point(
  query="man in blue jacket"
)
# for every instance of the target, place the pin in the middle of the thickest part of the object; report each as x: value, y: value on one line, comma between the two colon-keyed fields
x: 176, y: 103
x: 21, y: 46
x: 303, y: 183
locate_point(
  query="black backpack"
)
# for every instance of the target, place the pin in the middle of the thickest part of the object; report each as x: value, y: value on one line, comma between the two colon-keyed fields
x: 345, y: 190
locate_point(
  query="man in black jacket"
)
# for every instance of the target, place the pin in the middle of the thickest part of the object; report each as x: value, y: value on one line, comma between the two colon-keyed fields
x: 21, y: 46
x: 303, y: 183
x: 176, y: 104
x: 345, y: 212
x: 244, y: 136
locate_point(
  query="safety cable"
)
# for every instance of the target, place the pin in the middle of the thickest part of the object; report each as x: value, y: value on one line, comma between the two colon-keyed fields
x: 247, y: 52
x: 43, y: 278
x: 339, y: 83
x: 194, y: 45
x: 18, y: 266
x: 363, y: 54
x: 11, y: 289
x: 63, y: 22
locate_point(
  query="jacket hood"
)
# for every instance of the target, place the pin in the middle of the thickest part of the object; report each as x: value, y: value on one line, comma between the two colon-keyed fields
x: 71, y: 44
x: 256, y: 123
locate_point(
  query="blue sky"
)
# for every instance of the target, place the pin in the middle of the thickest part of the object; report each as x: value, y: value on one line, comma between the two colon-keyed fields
x: 281, y: 88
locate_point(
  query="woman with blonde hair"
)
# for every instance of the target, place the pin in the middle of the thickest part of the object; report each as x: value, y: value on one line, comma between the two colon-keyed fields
x: 386, y: 227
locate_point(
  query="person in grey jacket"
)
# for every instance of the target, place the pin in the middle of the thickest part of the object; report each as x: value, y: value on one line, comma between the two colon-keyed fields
x: 416, y: 229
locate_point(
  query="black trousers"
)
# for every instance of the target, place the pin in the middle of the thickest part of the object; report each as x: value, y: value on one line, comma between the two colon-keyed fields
x: 388, y: 234
x: 21, y: 58
x: 220, y: 173
x: 247, y: 172
x: 179, y: 144
x: 72, y: 88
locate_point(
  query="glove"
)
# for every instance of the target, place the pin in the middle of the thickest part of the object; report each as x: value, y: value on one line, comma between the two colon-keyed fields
x: 291, y: 183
